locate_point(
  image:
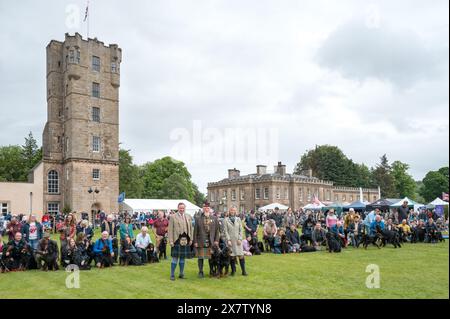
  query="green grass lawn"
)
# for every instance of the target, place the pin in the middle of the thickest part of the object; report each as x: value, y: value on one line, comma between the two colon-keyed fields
x: 414, y: 271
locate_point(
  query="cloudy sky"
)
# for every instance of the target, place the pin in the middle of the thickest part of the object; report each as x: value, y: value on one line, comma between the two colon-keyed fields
x: 223, y: 84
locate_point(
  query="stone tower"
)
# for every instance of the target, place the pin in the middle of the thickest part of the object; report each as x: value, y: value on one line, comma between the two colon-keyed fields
x: 81, y: 136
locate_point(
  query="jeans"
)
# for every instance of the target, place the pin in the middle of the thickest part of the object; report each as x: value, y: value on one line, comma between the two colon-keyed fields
x: 143, y: 254
x: 33, y: 244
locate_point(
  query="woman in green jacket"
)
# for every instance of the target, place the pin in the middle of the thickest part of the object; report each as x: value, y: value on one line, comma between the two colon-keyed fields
x: 126, y: 229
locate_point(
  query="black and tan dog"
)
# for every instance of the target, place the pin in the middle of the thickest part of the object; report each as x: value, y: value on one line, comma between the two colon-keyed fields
x: 152, y: 257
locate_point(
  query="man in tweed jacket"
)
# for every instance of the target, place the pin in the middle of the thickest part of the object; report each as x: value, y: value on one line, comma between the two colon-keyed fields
x: 180, y: 239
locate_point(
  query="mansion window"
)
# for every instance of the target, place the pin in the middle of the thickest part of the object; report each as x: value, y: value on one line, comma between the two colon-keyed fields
x: 278, y: 193
x: 95, y: 89
x: 308, y: 194
x: 286, y: 193
x: 343, y: 198
x: 300, y: 194
x: 233, y: 194
x: 53, y: 207
x: 257, y: 193
x: 224, y: 195
x: 96, y: 63
x: 242, y: 193
x: 350, y: 198
x: 96, y: 144
x: 53, y: 182
x: 211, y: 197
x: 96, y: 114
x: 266, y: 193
x: 96, y: 174
x: 328, y: 195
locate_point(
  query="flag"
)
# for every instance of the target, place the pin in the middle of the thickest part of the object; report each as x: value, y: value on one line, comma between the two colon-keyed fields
x: 315, y: 199
x: 86, y: 14
x: 445, y: 196
x: 121, y: 197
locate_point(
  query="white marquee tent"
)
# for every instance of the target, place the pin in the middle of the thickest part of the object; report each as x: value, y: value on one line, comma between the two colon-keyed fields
x: 150, y: 205
x: 272, y: 207
x: 438, y: 202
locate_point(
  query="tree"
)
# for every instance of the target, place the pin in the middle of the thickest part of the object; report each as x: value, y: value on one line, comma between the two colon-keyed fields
x: 130, y: 180
x: 31, y: 153
x: 434, y: 184
x: 177, y: 187
x: 404, y: 184
x: 326, y: 162
x: 12, y: 166
x: 155, y: 174
x: 382, y: 176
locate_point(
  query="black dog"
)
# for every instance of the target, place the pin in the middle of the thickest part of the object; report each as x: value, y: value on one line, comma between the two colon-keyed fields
x: 215, y: 261
x: 254, y: 246
x: 307, y: 249
x: 388, y: 236
x: 152, y: 257
x: 162, y: 248
x: 225, y: 259
x: 333, y: 244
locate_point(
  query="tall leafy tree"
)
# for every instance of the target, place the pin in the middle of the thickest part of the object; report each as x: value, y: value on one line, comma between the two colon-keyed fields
x: 31, y: 153
x: 326, y: 162
x: 382, y: 176
x: 155, y: 174
x: 130, y: 180
x: 176, y: 187
x: 404, y: 184
x: 434, y: 184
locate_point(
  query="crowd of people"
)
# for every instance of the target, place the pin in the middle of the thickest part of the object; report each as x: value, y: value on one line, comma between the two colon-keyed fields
x: 224, y: 239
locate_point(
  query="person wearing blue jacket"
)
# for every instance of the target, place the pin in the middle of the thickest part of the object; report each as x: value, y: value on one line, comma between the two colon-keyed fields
x: 373, y: 226
x: 103, y: 251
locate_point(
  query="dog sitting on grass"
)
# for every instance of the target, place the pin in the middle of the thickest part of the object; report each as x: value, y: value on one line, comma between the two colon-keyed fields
x: 332, y: 243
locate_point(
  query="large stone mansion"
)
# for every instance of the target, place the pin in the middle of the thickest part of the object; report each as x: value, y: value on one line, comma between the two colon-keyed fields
x: 80, y: 166
x: 262, y: 188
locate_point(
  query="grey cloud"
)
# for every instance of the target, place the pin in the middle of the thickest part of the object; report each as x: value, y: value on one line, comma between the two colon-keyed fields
x: 397, y: 55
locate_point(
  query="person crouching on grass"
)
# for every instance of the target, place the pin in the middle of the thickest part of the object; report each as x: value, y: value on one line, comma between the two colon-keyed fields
x: 233, y: 232
x: 103, y: 251
x: 206, y: 235
x: 180, y: 239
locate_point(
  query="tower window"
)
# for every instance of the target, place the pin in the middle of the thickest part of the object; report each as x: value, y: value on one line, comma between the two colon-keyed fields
x: 95, y: 89
x: 53, y: 182
x: 53, y: 208
x: 113, y: 67
x: 96, y: 174
x: 74, y: 56
x: 96, y: 144
x: 96, y: 63
x: 96, y: 114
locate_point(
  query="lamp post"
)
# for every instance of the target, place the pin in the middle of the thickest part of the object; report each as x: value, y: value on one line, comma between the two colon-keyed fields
x: 31, y: 203
x: 93, y: 192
